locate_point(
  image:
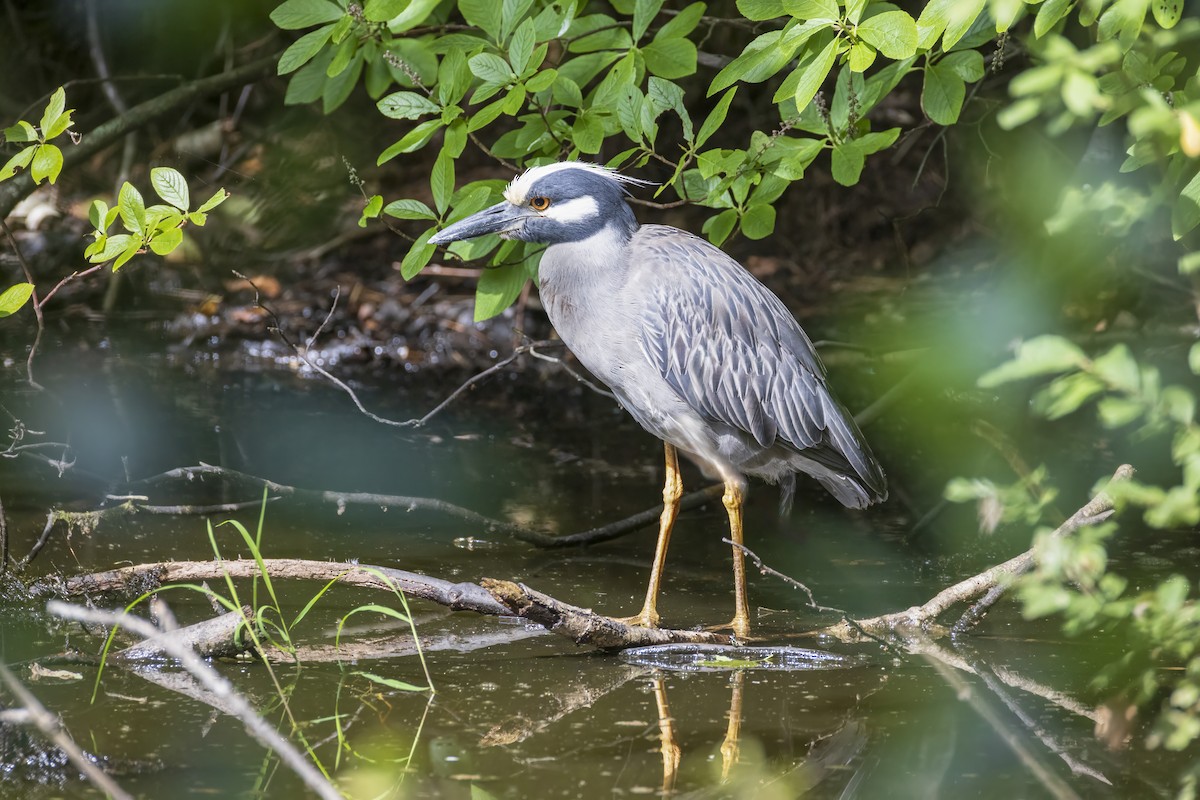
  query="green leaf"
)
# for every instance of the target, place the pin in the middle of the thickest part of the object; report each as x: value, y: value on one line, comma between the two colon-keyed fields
x: 542, y: 81
x: 715, y: 118
x: 454, y: 78
x: 338, y: 87
x: 1167, y: 12
x: 295, y: 14
x: 133, y: 209
x: 371, y: 210
x: 171, y: 186
x: 21, y: 132
x: 1185, y: 214
x: 301, y: 51
x: 846, y: 163
x: 407, y: 105
x: 682, y: 23
x: 813, y: 74
x: 1041, y: 355
x: 59, y: 126
x: 392, y: 683
x: 1117, y: 412
x: 720, y: 226
x: 409, y: 209
x: 1118, y: 368
x: 588, y: 132
x: 497, y: 290
x: 665, y: 95
x: 491, y: 68
x: 47, y: 163
x: 893, y: 33
x: 512, y: 12
x: 415, y: 13
x: 482, y: 14
x: 220, y: 196
x: 759, y: 221
x: 441, y: 181
x: 862, y: 56
x: 167, y: 241
x: 308, y: 82
x: 1049, y: 14
x: 520, y: 48
x: 18, y: 162
x: 796, y: 155
x: 96, y: 215
x: 942, y: 95
x: 947, y: 18
x: 383, y: 10
x: 413, y: 140
x: 764, y: 56
x: 418, y: 256
x: 670, y: 58
x: 644, y: 12
x: 1194, y: 359
x: 812, y: 9
x: 113, y: 246
x: 760, y: 10
x: 1065, y: 394
x: 54, y: 109
x: 14, y: 297
x: 132, y: 247
x: 966, y: 64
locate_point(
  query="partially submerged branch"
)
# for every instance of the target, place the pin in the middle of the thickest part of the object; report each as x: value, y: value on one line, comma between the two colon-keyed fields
x: 584, y: 626
x: 490, y: 597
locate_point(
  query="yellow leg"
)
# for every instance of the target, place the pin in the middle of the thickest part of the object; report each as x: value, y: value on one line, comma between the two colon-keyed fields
x: 668, y: 745
x: 730, y: 747
x: 672, y: 491
x: 741, y: 609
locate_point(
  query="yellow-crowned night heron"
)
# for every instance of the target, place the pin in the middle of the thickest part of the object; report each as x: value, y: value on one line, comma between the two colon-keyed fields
x: 699, y: 352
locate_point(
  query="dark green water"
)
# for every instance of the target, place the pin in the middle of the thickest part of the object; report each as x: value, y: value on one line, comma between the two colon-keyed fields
x: 526, y: 716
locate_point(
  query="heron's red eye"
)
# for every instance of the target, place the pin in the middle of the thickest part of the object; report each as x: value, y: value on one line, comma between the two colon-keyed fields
x: 539, y: 203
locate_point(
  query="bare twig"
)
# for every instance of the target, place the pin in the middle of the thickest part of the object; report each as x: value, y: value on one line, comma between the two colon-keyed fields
x: 213, y: 682
x: 3, y: 540
x: 50, y: 727
x: 920, y: 617
x: 37, y: 306
x: 537, y: 538
x: 812, y: 603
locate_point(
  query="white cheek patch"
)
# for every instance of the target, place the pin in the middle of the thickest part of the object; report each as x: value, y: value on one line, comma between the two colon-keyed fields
x: 576, y: 210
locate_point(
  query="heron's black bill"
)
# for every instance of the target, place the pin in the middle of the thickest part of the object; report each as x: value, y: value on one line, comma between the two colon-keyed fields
x: 496, y: 219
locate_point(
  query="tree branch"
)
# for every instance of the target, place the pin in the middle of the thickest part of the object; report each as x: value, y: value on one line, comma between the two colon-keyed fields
x: 990, y: 580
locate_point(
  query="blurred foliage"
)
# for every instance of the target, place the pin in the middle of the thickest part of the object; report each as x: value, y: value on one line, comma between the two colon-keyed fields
x: 157, y: 228
x: 532, y: 81
x: 1161, y: 623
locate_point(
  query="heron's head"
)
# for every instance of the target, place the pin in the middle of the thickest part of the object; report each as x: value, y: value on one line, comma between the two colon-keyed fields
x: 556, y: 203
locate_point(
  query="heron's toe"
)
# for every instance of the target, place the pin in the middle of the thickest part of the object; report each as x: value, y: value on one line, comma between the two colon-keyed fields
x: 643, y: 620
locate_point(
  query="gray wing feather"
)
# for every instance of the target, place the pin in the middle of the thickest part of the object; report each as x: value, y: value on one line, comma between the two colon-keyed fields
x: 737, y: 355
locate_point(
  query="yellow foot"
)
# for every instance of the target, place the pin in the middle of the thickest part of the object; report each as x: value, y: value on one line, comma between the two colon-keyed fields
x: 646, y: 619
x: 739, y: 625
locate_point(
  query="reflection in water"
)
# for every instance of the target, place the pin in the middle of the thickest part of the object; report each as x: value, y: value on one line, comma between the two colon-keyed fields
x: 666, y: 732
